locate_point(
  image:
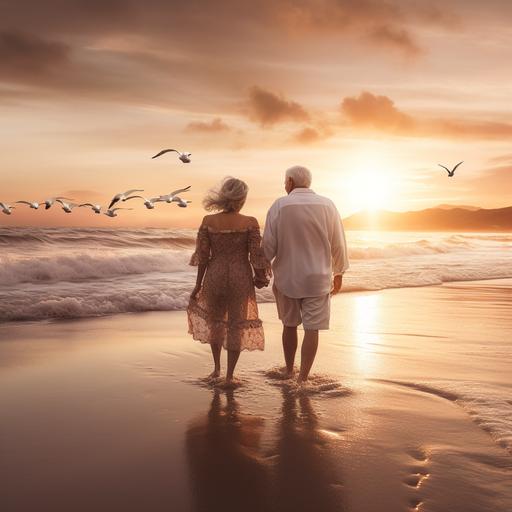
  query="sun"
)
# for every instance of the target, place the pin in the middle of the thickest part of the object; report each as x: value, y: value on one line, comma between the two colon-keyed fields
x: 372, y: 184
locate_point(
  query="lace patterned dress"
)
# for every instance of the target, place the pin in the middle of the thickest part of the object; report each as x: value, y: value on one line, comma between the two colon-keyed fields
x: 225, y: 309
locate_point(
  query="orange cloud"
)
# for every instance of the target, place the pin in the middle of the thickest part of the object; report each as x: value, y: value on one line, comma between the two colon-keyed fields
x: 307, y: 135
x: 214, y: 126
x: 268, y: 108
x: 369, y: 111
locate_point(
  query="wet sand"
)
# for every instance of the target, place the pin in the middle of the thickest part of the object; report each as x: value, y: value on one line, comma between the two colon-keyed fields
x: 409, y: 408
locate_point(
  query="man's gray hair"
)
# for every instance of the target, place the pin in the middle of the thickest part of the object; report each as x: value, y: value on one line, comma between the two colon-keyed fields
x: 301, y: 176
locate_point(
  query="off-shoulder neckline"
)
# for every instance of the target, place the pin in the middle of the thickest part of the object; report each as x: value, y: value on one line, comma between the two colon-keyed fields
x: 241, y: 230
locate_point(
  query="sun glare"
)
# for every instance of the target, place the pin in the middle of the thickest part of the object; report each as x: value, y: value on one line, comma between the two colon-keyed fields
x: 372, y: 184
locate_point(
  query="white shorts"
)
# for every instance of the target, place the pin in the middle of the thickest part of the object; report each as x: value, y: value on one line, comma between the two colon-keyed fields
x: 312, y: 312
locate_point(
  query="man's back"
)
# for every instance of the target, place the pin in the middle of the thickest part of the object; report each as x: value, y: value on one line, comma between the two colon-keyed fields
x: 304, y: 236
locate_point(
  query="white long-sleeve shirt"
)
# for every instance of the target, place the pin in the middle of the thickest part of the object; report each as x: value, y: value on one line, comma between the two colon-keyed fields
x: 305, y: 240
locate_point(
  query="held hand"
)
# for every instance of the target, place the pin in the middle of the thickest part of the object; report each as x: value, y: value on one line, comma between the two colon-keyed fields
x: 195, y: 291
x: 260, y: 283
x: 336, y: 284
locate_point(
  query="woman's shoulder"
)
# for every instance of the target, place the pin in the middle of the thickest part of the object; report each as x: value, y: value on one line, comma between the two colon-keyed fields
x: 251, y: 222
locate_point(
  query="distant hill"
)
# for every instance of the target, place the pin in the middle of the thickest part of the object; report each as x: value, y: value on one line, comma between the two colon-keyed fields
x: 434, y: 219
x: 453, y: 206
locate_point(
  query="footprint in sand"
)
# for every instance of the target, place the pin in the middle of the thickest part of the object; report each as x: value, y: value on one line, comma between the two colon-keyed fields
x: 416, y: 505
x: 417, y: 474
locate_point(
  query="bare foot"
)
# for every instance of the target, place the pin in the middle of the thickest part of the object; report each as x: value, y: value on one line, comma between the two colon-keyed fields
x: 214, y: 375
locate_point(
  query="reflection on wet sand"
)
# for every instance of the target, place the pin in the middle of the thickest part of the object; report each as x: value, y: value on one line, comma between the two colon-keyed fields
x: 223, y: 450
x: 307, y: 477
x: 230, y: 471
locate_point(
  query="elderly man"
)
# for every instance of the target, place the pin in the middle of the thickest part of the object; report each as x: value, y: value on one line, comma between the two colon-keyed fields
x: 305, y: 241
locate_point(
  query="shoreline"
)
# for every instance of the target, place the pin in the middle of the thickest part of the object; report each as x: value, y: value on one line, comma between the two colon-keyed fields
x: 348, y: 292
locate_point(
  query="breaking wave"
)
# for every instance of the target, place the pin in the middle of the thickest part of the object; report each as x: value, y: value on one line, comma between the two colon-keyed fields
x: 55, y: 273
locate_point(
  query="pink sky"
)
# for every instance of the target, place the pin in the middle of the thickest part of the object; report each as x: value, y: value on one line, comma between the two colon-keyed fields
x: 370, y: 95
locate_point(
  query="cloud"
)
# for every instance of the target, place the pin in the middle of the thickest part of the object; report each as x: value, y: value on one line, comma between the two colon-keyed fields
x: 494, y: 181
x: 501, y: 158
x: 214, y: 126
x: 370, y: 111
x: 395, y: 37
x: 27, y: 56
x: 307, y: 135
x: 268, y: 108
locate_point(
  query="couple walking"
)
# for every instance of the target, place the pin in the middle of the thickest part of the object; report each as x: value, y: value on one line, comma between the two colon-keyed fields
x: 303, y: 246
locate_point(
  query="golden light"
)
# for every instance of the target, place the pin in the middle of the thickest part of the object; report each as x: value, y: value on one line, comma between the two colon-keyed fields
x: 373, y: 183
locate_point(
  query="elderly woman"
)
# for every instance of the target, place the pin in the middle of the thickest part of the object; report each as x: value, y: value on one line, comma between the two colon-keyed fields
x: 222, y: 310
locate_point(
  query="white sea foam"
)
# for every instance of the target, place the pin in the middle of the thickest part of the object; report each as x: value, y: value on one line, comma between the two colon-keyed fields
x: 75, y: 273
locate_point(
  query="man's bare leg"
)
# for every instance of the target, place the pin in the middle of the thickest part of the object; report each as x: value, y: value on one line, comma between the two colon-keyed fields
x: 308, y: 353
x: 289, y: 348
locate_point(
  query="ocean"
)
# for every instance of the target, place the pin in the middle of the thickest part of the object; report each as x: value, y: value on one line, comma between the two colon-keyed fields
x: 64, y: 273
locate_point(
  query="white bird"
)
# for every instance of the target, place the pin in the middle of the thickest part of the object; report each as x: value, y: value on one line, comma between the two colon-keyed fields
x: 169, y: 197
x: 6, y: 208
x: 122, y: 196
x: 67, y: 207
x: 96, y: 208
x: 452, y: 172
x: 181, y: 202
x: 34, y: 205
x: 184, y: 157
x: 148, y: 203
x: 112, y: 212
x: 49, y: 202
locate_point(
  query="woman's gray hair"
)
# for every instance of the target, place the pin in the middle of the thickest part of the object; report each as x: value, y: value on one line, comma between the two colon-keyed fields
x: 229, y: 197
x: 301, y: 176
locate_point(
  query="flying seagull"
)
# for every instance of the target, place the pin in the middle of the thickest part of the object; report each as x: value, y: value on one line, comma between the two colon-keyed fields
x: 34, y: 205
x: 96, y: 208
x: 112, y: 212
x: 148, y: 203
x: 184, y: 157
x: 181, y: 202
x: 122, y: 196
x: 49, y: 202
x: 169, y: 197
x: 6, y: 208
x: 452, y: 172
x: 67, y: 207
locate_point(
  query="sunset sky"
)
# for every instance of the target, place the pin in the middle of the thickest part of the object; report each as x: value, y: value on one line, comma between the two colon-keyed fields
x: 370, y: 95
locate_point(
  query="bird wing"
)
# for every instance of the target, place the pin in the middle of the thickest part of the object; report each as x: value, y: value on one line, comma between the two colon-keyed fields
x: 113, y: 202
x: 23, y: 202
x: 165, y: 151
x: 60, y: 201
x: 130, y: 192
x: 133, y: 197
x: 446, y: 168
x: 155, y: 199
x: 65, y: 198
x: 86, y: 204
x: 115, y: 209
x: 2, y: 205
x: 453, y: 170
x: 179, y: 191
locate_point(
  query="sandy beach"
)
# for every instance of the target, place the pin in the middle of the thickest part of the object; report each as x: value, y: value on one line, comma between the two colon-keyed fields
x: 409, y: 408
